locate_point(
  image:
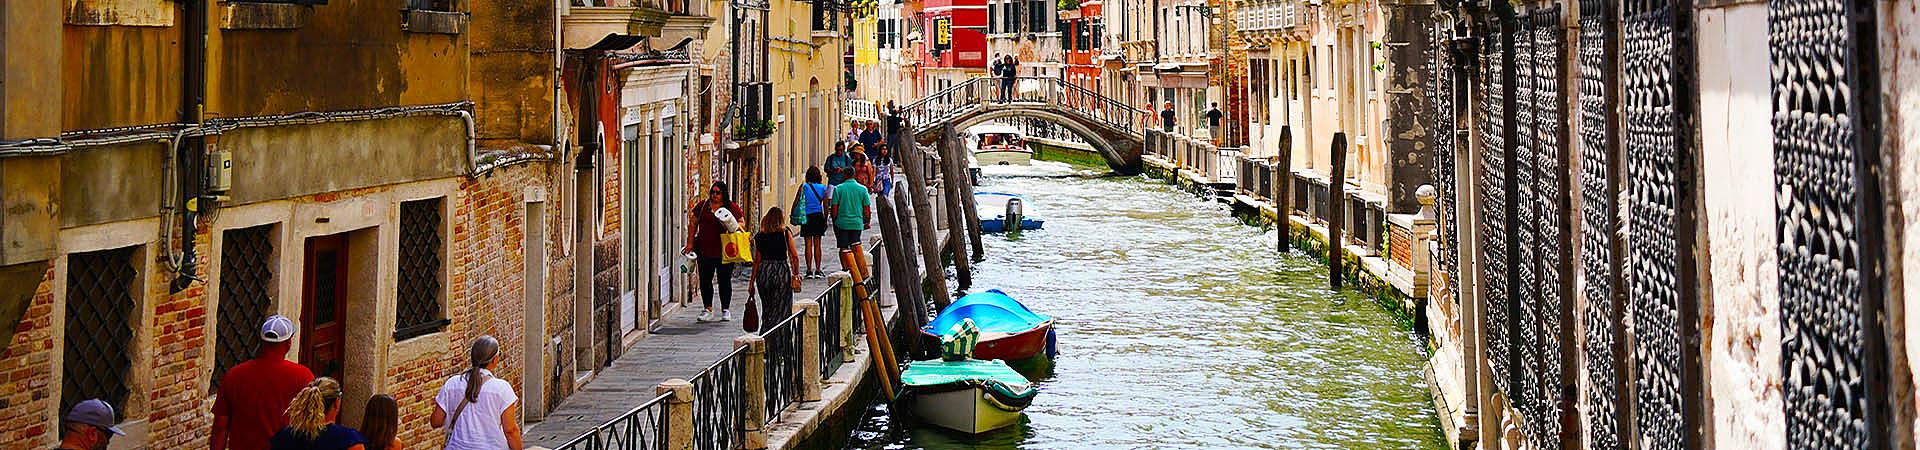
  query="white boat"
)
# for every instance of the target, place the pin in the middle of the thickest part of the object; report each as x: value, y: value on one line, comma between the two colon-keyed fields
x: 969, y: 396
x: 998, y: 145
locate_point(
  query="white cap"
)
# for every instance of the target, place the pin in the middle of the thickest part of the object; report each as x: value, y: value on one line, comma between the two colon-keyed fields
x: 277, y: 328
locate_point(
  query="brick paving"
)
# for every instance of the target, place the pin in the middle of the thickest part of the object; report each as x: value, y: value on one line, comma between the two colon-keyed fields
x: 679, y: 348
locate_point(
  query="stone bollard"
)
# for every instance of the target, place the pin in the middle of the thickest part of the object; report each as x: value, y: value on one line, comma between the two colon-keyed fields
x: 753, y: 434
x: 848, y: 306
x: 679, y: 412
x: 809, y: 349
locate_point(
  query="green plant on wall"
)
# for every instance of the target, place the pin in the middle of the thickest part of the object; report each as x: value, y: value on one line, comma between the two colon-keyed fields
x: 751, y: 130
x: 1065, y: 5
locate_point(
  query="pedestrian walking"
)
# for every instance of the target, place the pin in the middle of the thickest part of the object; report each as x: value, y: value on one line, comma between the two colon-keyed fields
x: 313, y: 421
x: 813, y: 199
x: 479, y: 410
x: 251, y: 404
x: 883, y: 168
x: 704, y: 228
x: 89, y: 426
x: 870, y: 136
x: 839, y: 165
x: 851, y: 210
x: 1166, y: 118
x: 772, y: 272
x: 863, y: 171
x: 1213, y: 122
x: 380, y: 423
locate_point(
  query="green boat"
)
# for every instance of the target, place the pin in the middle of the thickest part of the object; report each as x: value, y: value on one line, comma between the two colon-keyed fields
x: 968, y: 395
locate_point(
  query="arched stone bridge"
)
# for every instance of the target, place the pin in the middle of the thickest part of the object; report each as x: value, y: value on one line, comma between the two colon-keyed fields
x: 1111, y: 126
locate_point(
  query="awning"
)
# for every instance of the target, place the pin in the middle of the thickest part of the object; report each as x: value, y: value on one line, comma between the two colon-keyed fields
x: 616, y: 42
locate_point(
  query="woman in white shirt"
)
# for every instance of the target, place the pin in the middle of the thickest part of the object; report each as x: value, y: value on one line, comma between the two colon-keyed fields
x: 479, y: 411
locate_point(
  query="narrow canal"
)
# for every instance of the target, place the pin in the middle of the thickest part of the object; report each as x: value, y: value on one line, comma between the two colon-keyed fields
x: 1180, y: 327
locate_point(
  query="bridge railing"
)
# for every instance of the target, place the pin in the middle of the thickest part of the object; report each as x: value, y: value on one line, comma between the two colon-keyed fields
x: 1071, y: 99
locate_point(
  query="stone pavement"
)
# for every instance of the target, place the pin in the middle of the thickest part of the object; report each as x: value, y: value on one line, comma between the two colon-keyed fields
x: 679, y: 348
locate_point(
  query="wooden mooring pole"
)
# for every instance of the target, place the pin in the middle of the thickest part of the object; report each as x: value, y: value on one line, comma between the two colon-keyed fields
x: 1282, y: 189
x: 963, y: 186
x: 956, y: 220
x: 1337, y: 205
x: 900, y: 266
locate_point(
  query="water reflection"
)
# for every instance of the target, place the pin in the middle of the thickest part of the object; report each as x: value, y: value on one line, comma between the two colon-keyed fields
x: 1181, y: 328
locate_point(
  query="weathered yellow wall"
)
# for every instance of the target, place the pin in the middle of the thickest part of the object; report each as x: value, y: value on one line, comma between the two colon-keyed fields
x: 512, y: 79
x: 112, y: 183
x: 27, y: 42
x: 351, y: 54
x: 289, y: 161
x: 119, y: 76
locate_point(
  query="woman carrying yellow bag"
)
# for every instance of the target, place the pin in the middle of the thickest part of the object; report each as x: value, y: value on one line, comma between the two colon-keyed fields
x: 705, y: 231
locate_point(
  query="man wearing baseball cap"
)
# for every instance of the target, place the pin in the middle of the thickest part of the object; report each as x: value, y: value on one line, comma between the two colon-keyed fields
x: 89, y: 426
x: 253, y: 397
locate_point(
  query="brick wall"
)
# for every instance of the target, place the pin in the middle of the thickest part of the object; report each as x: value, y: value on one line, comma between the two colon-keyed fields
x: 179, y: 406
x: 26, y: 373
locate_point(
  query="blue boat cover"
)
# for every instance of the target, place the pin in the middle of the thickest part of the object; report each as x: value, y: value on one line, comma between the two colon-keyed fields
x: 992, y: 311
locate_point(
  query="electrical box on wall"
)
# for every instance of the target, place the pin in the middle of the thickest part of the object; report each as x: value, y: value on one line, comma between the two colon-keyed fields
x: 219, y: 171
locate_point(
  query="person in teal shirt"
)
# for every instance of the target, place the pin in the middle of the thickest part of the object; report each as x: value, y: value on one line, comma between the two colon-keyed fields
x: 851, y: 208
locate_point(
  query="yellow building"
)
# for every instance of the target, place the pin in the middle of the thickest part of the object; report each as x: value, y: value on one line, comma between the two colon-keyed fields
x: 786, y: 67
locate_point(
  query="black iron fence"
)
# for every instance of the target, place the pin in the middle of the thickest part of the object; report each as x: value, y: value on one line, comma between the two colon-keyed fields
x: 719, y: 403
x: 641, y: 428
x: 782, y: 374
x: 831, y: 354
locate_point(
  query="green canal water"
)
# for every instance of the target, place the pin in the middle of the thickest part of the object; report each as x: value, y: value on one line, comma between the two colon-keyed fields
x: 1181, y: 327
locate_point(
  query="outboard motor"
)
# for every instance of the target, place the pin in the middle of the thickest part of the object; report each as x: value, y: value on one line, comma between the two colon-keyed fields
x: 1014, y: 216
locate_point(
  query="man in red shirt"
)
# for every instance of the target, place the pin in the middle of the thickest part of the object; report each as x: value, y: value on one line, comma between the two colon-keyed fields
x: 253, y: 397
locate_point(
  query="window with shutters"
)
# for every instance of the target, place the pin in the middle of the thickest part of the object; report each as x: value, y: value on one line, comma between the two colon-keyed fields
x: 421, y: 274
x: 246, y: 280
x: 100, y: 321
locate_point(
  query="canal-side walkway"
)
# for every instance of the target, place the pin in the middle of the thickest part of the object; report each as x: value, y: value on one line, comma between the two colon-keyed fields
x: 680, y: 347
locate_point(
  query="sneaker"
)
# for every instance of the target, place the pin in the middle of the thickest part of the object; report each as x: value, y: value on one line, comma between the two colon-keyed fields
x: 705, y: 316
x: 726, y: 315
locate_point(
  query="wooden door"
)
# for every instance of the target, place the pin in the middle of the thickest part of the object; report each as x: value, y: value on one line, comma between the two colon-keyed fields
x: 323, y: 306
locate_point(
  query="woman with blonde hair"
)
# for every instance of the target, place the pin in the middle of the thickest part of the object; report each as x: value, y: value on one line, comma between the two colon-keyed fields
x: 772, y: 272
x: 313, y: 421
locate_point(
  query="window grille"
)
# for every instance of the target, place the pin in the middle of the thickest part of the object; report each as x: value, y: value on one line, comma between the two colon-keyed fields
x: 99, y: 327
x: 430, y: 5
x: 420, y: 248
x: 246, y: 272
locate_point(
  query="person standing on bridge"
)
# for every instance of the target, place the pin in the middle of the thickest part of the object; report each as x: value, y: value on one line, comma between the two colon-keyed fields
x: 1213, y: 122
x: 1166, y: 118
x: 870, y: 136
x: 1009, y: 71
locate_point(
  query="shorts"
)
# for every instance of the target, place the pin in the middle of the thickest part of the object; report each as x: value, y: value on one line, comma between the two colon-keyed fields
x: 816, y: 225
x: 844, y: 239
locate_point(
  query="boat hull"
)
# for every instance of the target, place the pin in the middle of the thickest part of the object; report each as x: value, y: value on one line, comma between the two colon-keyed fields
x: 970, y: 411
x: 1008, y: 347
x: 1003, y: 157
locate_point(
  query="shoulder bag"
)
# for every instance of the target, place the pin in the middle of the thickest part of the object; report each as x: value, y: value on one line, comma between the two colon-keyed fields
x: 455, y: 417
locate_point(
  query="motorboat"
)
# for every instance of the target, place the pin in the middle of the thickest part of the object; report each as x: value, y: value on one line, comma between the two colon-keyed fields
x: 997, y: 209
x: 967, y: 395
x: 998, y: 145
x: 1008, y: 330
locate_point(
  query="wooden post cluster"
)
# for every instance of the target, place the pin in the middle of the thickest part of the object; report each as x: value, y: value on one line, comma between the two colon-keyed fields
x: 956, y: 220
x: 905, y: 286
x: 916, y: 165
x: 1337, y: 205
x: 679, y: 430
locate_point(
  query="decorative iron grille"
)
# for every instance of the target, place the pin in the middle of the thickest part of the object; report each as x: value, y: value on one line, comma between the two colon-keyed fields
x: 719, y: 403
x: 420, y: 268
x: 1599, y: 190
x: 1525, y: 237
x: 1552, y: 313
x: 782, y: 372
x: 1656, y: 145
x: 1495, y: 212
x: 99, y: 327
x: 641, y: 428
x: 246, y: 273
x: 1828, y: 216
x: 1440, y: 92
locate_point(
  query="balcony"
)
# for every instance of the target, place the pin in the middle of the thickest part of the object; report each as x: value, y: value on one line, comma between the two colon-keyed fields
x: 584, y: 26
x: 1283, y: 15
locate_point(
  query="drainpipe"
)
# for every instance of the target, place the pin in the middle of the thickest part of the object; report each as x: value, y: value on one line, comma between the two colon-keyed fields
x: 188, y: 158
x: 473, y: 154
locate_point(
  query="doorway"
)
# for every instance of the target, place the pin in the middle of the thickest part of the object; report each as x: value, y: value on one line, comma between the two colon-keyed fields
x: 323, y: 306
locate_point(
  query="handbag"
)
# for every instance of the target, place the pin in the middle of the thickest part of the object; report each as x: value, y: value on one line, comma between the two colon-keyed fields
x: 736, y: 247
x: 750, y: 320
x: 797, y: 214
